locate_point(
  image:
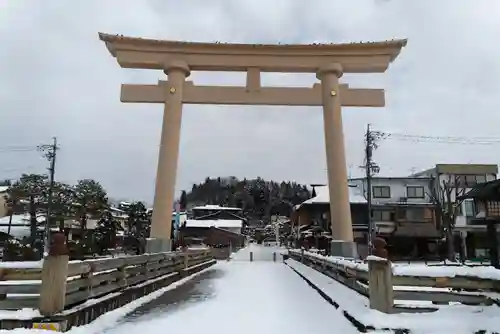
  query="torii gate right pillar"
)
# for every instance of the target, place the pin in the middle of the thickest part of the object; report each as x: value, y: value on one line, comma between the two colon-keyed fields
x: 340, y: 211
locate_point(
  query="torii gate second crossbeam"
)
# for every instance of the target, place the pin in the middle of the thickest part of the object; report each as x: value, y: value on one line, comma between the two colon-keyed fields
x: 328, y: 61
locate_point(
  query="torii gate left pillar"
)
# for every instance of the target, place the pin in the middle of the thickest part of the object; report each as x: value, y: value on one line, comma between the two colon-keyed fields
x: 338, y: 187
x: 167, y: 159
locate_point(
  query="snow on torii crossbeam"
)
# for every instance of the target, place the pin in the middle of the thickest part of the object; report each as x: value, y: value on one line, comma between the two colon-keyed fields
x: 328, y: 61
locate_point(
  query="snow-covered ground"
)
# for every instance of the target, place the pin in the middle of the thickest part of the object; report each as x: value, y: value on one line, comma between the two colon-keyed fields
x: 249, y: 297
x: 259, y: 253
x: 239, y: 297
x: 455, y: 319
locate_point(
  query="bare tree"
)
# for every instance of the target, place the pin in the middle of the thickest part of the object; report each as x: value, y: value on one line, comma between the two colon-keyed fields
x: 444, y: 196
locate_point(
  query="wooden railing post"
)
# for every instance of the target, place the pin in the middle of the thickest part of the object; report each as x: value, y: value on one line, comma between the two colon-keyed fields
x: 186, y: 258
x: 89, y: 279
x: 251, y: 256
x: 122, y: 278
x: 380, y: 284
x: 54, y: 277
x: 274, y: 256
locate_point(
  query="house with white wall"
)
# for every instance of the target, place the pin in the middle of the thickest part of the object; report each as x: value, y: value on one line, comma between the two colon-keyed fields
x: 403, y: 213
x: 460, y: 178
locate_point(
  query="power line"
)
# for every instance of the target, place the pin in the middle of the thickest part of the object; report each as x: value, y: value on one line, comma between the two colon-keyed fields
x: 460, y: 140
x: 15, y: 147
x: 18, y: 149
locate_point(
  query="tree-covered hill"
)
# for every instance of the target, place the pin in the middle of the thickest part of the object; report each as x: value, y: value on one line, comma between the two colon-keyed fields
x: 258, y: 198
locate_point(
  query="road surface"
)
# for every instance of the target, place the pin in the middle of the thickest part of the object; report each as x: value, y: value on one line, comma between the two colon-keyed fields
x: 239, y: 297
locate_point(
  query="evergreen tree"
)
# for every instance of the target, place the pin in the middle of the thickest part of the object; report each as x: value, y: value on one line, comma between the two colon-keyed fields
x: 90, y: 199
x: 62, y: 204
x: 183, y: 201
x: 139, y: 221
x: 258, y: 198
x: 106, y: 230
x: 30, y: 188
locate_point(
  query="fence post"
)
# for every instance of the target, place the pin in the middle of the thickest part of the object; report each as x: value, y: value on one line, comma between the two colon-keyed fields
x: 251, y: 256
x: 380, y: 284
x: 186, y: 258
x: 274, y: 256
x: 54, y: 277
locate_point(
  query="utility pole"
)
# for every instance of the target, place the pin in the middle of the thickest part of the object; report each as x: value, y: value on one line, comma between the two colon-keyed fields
x: 50, y: 155
x: 368, y: 160
x: 371, y: 168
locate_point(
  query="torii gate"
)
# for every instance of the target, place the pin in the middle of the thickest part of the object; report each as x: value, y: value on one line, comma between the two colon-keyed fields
x: 328, y: 61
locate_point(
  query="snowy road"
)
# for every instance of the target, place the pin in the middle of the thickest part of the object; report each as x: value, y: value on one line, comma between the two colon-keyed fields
x: 239, y: 297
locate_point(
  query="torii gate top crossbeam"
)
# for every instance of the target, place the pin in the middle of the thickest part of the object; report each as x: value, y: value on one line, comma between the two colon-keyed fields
x: 372, y: 57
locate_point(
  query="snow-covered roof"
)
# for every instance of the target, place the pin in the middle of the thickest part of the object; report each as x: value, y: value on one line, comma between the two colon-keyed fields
x: 215, y: 207
x: 220, y: 223
x: 323, y: 196
x: 112, y: 208
x: 19, y: 226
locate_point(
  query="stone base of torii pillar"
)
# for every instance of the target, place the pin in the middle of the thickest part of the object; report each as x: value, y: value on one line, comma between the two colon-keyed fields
x: 157, y: 245
x: 343, y: 248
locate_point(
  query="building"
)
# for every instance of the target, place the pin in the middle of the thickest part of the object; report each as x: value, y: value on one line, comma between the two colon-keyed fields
x: 404, y: 214
x: 231, y: 225
x: 458, y: 179
x: 316, y: 212
x: 216, y: 212
x: 4, y: 210
x: 484, y: 245
x: 215, y: 225
x: 452, y: 181
x: 402, y: 210
x: 399, y: 203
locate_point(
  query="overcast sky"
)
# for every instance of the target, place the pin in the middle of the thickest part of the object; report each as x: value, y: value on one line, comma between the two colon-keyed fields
x: 58, y: 79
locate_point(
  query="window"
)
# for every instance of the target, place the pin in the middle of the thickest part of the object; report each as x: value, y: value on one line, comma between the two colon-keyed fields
x: 480, y: 178
x: 470, y: 180
x: 415, y: 214
x: 414, y: 192
x: 382, y: 215
x: 381, y: 192
x: 469, y: 208
x: 493, y: 209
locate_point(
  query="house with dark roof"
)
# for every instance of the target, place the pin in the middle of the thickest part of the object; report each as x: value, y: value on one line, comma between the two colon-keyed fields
x: 481, y: 239
x: 215, y: 225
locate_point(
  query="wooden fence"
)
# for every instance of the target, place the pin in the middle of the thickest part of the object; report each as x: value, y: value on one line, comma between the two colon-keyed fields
x: 59, y: 284
x: 378, y: 283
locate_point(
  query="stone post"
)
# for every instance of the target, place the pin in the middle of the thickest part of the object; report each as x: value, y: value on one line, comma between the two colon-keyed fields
x: 380, y: 284
x: 161, y: 225
x: 54, y: 276
x: 340, y: 211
